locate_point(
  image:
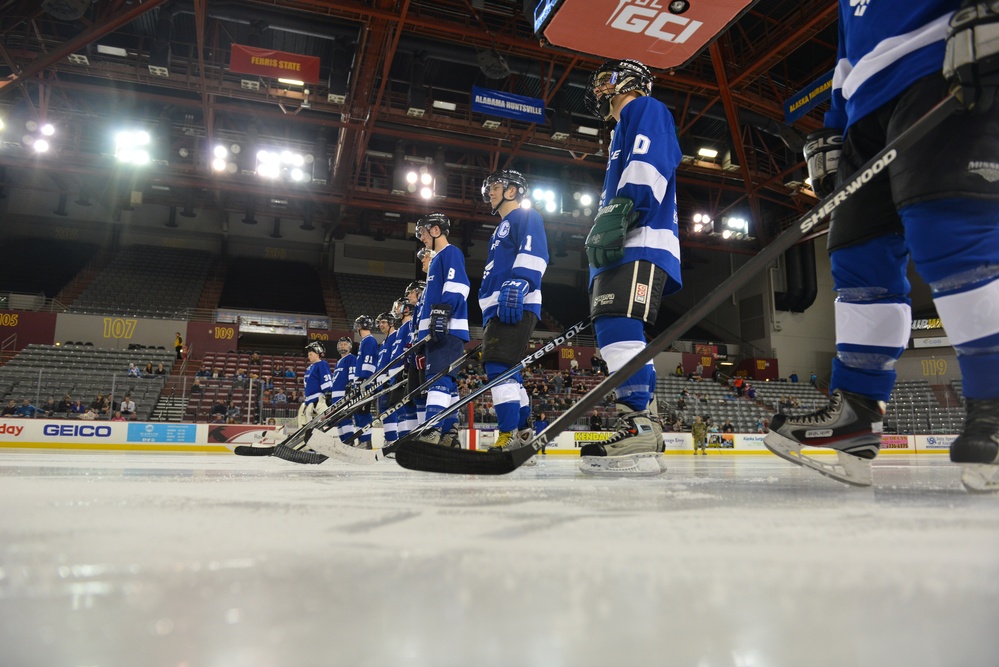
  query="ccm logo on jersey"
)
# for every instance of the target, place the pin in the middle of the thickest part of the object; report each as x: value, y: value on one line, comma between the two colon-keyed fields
x: 10, y: 429
x: 652, y: 19
x: 85, y: 431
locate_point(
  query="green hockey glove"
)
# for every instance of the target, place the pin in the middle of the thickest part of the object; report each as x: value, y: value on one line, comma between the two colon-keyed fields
x: 605, y: 242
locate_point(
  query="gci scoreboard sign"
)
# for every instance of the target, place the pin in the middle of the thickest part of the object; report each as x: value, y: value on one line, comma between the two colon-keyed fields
x: 660, y: 33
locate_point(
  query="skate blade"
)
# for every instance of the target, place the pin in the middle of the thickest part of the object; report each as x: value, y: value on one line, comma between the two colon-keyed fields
x: 334, y: 448
x: 980, y: 477
x: 635, y: 465
x: 847, y: 469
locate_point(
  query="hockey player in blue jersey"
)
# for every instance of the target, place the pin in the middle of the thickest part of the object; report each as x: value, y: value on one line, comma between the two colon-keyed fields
x: 318, y: 382
x: 938, y: 203
x: 386, y: 325
x: 416, y: 362
x: 364, y: 367
x: 634, y: 255
x: 510, y: 298
x: 407, y: 416
x: 444, y: 317
x: 343, y: 374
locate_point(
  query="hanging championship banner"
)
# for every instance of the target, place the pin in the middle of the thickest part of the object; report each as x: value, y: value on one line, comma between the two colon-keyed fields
x: 660, y: 33
x: 273, y: 64
x: 508, y: 105
x: 819, y: 91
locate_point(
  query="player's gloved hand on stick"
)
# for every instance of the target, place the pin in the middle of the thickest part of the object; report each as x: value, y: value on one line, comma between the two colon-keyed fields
x: 971, y: 61
x: 510, y: 309
x: 605, y: 242
x: 306, y: 411
x: 822, y: 150
x: 440, y: 315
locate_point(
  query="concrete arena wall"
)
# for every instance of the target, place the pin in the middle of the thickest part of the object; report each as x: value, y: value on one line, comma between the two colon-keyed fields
x: 222, y: 438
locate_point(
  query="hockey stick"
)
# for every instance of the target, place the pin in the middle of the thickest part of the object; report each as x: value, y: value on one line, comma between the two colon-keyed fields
x: 411, y: 437
x: 334, y: 412
x: 416, y: 455
x: 343, y: 450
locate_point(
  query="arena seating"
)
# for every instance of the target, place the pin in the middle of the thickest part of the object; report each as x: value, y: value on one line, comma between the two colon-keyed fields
x: 914, y: 408
x: 82, y: 371
x: 369, y: 295
x: 223, y: 389
x: 147, y: 281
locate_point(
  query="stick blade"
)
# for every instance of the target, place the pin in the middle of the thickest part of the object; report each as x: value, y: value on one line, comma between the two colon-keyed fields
x: 426, y: 457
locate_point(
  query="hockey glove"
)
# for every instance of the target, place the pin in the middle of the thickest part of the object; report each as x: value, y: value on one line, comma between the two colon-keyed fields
x: 822, y: 151
x: 605, y: 242
x: 511, y: 301
x: 440, y: 315
x: 306, y: 411
x: 421, y: 362
x: 971, y: 61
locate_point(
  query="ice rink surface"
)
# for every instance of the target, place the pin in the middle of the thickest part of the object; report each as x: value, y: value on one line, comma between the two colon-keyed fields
x: 156, y: 560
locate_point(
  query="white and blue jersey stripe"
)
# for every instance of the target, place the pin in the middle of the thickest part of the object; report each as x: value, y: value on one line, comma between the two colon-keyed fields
x: 447, y: 283
x: 343, y: 373
x: 367, y: 357
x: 644, y: 155
x: 318, y: 381
x: 884, y: 46
x: 518, y: 250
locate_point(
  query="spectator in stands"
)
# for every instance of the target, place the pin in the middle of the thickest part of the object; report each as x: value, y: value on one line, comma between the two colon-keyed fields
x: 699, y: 371
x: 573, y: 366
x: 596, y: 422
x: 89, y: 414
x: 78, y: 408
x: 204, y: 372
x: 48, y: 409
x: 580, y: 388
x: 148, y: 372
x: 540, y: 424
x: 127, y: 407
x: 232, y: 413
x: 595, y: 365
x: 197, y: 388
x: 241, y: 377
x: 178, y: 345
x: 679, y: 370
x: 727, y: 427
x: 133, y: 371
x: 762, y: 425
x: 26, y: 410
x: 794, y: 376
x: 217, y: 373
x: 160, y: 370
x: 812, y: 379
x: 739, y: 384
x: 280, y: 397
x: 118, y: 417
x: 558, y: 383
x: 255, y: 358
x: 65, y: 406
x: 9, y: 409
x: 217, y: 417
x: 97, y: 403
x: 750, y: 392
x: 289, y: 372
x: 294, y: 397
x: 266, y: 382
x: 219, y: 409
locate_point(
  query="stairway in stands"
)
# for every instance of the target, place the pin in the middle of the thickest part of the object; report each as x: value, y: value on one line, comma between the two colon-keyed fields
x: 81, y: 281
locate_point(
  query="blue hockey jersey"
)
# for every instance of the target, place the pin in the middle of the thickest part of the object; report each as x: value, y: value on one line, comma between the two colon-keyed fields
x: 367, y: 357
x: 518, y: 249
x: 447, y: 283
x: 385, y: 351
x: 318, y: 381
x: 884, y: 46
x: 644, y: 155
x: 343, y: 373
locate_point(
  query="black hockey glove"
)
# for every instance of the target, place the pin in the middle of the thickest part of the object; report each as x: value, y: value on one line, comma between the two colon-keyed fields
x: 822, y: 151
x: 440, y: 315
x: 971, y: 62
x: 605, y: 242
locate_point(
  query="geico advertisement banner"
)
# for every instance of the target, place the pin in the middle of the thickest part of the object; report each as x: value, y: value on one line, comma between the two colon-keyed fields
x: 38, y: 430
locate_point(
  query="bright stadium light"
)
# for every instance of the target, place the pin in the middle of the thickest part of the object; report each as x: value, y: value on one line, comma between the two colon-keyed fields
x: 585, y: 199
x: 220, y: 152
x: 131, y: 147
x: 48, y: 129
x: 219, y: 164
x: 426, y: 192
x: 526, y: 203
x: 41, y: 146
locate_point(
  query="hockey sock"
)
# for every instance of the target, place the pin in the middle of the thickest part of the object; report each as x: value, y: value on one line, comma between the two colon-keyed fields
x: 360, y: 421
x: 620, y: 339
x: 525, y: 409
x: 506, y: 401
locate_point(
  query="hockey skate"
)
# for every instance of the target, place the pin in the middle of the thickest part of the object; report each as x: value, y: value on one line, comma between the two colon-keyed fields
x: 634, y: 449
x: 435, y: 436
x: 510, y: 440
x: 977, y: 448
x: 851, y: 425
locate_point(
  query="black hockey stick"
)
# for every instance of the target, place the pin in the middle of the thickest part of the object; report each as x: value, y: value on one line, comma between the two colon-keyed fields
x: 417, y: 455
x: 412, y: 438
x: 335, y: 412
x: 344, y: 450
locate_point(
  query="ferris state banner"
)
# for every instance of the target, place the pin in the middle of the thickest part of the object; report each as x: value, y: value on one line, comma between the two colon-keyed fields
x: 274, y: 64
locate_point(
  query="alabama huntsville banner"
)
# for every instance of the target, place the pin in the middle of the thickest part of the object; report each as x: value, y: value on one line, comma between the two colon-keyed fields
x: 508, y: 105
x: 819, y: 91
x: 274, y: 64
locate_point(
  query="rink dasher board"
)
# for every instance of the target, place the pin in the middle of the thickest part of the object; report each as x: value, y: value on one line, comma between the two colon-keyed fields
x: 223, y: 438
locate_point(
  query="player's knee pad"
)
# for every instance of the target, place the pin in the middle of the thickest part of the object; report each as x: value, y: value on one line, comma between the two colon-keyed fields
x: 631, y: 290
x: 506, y: 344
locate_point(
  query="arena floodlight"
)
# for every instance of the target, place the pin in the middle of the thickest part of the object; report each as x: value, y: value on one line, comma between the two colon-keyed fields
x: 219, y: 164
x: 48, y: 129
x: 426, y: 192
x: 585, y: 200
x: 220, y: 152
x: 709, y: 153
x: 131, y: 147
x: 297, y: 175
x: 41, y: 146
x: 550, y: 206
x: 412, y: 177
x: 526, y: 203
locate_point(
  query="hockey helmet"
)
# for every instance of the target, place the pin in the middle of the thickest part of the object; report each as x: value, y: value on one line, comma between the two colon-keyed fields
x: 624, y: 75
x: 344, y: 345
x: 363, y: 323
x: 433, y: 220
x: 400, y: 308
x: 317, y: 347
x: 385, y: 317
x: 416, y: 286
x: 507, y: 177
x: 425, y: 253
